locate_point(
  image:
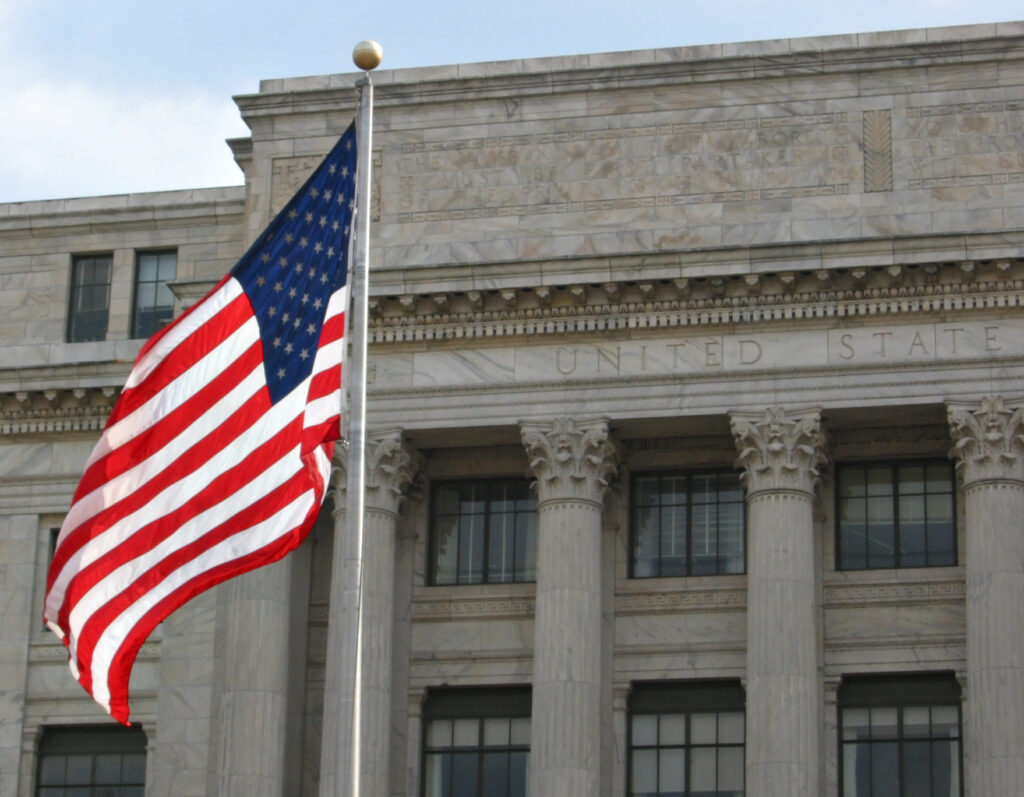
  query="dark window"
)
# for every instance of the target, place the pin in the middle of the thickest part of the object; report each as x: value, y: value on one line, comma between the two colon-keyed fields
x: 687, y: 740
x: 90, y: 298
x: 899, y: 514
x: 900, y: 737
x: 154, y: 301
x: 476, y: 743
x: 92, y: 761
x: 687, y: 524
x: 483, y: 532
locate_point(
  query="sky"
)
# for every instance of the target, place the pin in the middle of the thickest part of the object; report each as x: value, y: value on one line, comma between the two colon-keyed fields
x: 116, y: 96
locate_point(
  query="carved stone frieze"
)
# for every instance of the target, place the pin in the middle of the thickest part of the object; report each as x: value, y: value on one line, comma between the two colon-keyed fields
x: 570, y: 459
x: 779, y: 450
x: 988, y: 439
x: 57, y: 652
x: 477, y: 608
x: 670, y: 602
x: 899, y: 594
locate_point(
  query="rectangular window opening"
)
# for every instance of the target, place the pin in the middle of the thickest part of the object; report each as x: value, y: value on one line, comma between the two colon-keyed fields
x: 687, y: 524
x: 892, y: 515
x: 483, y: 532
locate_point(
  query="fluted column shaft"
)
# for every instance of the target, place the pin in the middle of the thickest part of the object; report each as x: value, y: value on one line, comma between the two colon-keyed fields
x: 572, y: 462
x: 254, y: 702
x: 988, y: 446
x: 781, y: 453
x: 390, y: 466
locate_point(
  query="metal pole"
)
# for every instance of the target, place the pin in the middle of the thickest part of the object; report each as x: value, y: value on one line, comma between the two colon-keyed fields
x: 340, y: 749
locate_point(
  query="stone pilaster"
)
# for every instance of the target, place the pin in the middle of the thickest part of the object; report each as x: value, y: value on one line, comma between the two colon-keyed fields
x: 781, y: 453
x: 390, y: 467
x: 988, y: 445
x: 18, y: 619
x: 572, y: 462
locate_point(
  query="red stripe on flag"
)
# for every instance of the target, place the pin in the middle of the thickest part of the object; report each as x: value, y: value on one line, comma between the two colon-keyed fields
x: 142, y: 583
x: 147, y: 537
x: 185, y: 355
x: 121, y: 666
x: 187, y: 462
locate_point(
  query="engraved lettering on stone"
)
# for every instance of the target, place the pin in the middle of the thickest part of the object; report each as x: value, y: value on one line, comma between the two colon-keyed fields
x: 877, y: 150
x: 567, y: 366
x: 990, y: 339
x: 779, y: 450
x: 750, y: 352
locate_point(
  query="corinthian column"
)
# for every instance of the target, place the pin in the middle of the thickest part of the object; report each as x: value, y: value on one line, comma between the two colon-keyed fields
x: 988, y: 444
x: 390, y: 467
x: 781, y: 453
x: 572, y: 462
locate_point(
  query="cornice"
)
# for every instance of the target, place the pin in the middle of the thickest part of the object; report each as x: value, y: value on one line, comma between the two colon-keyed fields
x: 707, y: 301
x: 198, y: 207
x: 787, y: 58
x: 56, y: 410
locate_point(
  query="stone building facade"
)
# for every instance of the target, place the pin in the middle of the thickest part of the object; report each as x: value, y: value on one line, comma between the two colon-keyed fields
x: 748, y: 317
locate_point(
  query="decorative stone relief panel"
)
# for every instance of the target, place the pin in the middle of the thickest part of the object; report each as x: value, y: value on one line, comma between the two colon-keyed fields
x: 877, y: 150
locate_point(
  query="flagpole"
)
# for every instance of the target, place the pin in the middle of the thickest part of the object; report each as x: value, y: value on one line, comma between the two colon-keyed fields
x: 340, y: 749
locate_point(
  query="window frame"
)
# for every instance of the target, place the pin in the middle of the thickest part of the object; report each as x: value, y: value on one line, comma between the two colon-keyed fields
x: 433, y: 541
x: 689, y: 474
x: 474, y: 703
x: 137, y: 282
x: 74, y: 287
x: 899, y: 691
x: 92, y: 741
x: 657, y: 698
x: 894, y: 465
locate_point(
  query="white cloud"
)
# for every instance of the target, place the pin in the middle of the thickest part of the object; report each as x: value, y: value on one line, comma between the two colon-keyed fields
x: 76, y: 139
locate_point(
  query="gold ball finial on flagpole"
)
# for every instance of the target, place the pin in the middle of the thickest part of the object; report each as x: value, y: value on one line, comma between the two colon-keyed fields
x: 367, y: 55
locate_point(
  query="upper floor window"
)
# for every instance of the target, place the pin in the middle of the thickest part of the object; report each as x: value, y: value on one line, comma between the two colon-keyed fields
x: 900, y: 736
x: 154, y: 301
x: 687, y: 740
x: 90, y: 298
x: 898, y: 514
x: 483, y: 532
x: 92, y: 761
x: 476, y: 743
x: 687, y: 524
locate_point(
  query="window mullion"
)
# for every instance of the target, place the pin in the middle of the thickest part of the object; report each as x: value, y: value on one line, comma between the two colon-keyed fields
x: 688, y: 515
x: 485, y: 557
x: 896, y: 495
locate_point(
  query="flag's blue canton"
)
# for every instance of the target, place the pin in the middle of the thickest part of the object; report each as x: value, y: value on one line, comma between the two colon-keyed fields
x: 297, y: 263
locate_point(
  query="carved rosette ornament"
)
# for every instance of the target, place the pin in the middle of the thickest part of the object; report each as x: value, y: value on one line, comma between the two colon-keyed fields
x: 988, y: 440
x: 779, y: 450
x: 570, y: 459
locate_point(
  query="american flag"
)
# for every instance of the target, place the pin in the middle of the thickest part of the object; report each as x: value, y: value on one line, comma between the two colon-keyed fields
x: 216, y: 457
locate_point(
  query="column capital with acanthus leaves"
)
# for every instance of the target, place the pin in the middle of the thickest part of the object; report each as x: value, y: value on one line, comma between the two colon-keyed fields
x: 988, y: 439
x: 571, y: 459
x: 779, y: 450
